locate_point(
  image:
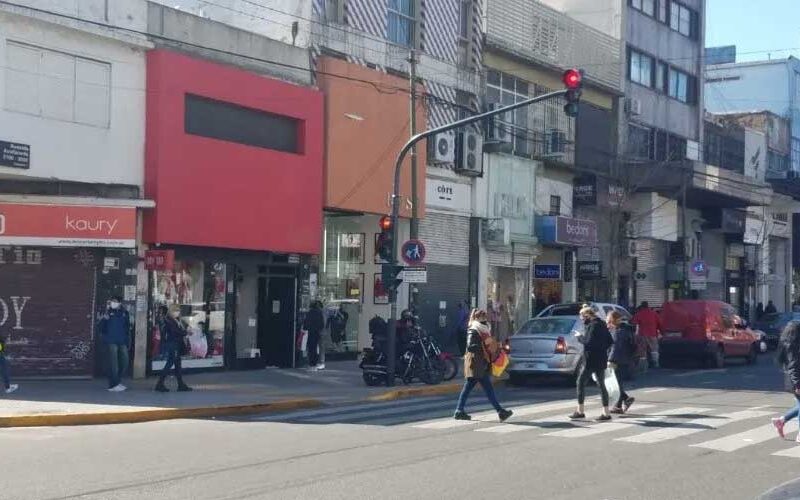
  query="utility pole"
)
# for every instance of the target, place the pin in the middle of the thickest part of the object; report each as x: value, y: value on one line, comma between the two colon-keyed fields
x: 412, y: 60
x: 686, y: 283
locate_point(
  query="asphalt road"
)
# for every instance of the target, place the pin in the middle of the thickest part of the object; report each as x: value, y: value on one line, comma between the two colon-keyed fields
x: 692, y: 434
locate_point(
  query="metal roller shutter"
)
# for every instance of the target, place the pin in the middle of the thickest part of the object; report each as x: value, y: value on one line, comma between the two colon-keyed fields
x: 650, y: 258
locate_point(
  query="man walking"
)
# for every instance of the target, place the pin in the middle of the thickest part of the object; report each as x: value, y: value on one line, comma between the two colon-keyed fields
x: 115, y: 328
x: 9, y: 387
x: 648, y: 325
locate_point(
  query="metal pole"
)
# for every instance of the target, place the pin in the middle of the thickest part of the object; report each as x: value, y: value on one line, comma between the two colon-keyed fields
x: 398, y: 166
x: 413, y: 119
x: 683, y: 237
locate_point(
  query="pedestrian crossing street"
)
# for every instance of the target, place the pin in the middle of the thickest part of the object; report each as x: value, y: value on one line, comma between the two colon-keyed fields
x: 715, y: 428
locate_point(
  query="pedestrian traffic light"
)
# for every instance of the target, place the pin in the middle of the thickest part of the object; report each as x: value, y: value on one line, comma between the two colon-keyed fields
x: 573, y: 80
x: 386, y: 239
x: 390, y: 275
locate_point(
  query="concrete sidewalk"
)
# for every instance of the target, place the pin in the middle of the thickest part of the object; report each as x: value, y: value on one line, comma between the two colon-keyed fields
x: 86, y: 402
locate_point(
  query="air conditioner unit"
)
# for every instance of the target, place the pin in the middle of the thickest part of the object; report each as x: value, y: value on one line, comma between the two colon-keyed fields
x: 633, y: 106
x: 499, y: 128
x: 442, y: 149
x: 469, y: 153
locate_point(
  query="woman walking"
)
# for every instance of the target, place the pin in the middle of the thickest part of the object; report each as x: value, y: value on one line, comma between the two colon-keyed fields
x: 620, y: 359
x: 789, y: 357
x: 481, y: 350
x: 174, y: 338
x: 596, y: 342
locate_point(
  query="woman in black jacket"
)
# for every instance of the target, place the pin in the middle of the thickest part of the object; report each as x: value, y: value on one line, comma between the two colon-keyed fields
x: 789, y: 357
x: 620, y: 359
x: 596, y: 342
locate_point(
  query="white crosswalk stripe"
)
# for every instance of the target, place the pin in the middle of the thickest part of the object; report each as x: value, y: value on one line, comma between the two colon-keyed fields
x: 748, y: 438
x: 793, y: 452
x: 488, y: 416
x: 298, y: 415
x: 693, y: 427
x: 627, y: 423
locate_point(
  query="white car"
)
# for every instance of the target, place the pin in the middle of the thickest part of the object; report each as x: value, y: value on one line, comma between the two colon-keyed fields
x: 572, y: 309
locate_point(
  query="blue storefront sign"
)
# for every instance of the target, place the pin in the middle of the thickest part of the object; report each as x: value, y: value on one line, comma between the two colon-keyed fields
x: 566, y: 231
x: 547, y: 272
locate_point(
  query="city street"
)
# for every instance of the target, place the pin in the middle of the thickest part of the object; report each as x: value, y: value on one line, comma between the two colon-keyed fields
x: 692, y: 434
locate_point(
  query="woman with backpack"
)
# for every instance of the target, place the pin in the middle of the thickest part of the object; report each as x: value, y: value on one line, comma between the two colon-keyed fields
x: 789, y: 358
x: 481, y: 351
x: 620, y: 359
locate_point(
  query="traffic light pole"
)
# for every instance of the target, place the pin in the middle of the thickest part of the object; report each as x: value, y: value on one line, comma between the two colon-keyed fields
x: 392, y: 350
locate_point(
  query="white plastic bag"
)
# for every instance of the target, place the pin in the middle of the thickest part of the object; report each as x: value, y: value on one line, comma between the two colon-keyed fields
x: 304, y: 341
x: 611, y: 385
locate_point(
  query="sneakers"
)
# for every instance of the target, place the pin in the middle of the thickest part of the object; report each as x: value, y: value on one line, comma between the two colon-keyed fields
x: 617, y: 410
x: 321, y: 366
x: 577, y: 416
x: 461, y: 415
x: 160, y: 387
x: 779, y: 423
x: 184, y: 388
x: 11, y: 388
x: 504, y: 414
x: 628, y: 403
x: 603, y: 418
x: 118, y: 388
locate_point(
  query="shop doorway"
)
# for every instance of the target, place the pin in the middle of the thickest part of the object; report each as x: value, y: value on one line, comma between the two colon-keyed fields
x: 276, y: 308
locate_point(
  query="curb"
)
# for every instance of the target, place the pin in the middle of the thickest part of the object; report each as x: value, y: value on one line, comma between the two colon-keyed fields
x: 408, y: 392
x: 130, y: 417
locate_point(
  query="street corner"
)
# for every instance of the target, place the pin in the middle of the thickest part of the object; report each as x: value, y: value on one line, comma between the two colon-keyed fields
x: 132, y: 416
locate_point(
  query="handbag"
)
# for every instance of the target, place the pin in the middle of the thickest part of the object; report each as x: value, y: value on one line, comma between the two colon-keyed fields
x: 500, y: 364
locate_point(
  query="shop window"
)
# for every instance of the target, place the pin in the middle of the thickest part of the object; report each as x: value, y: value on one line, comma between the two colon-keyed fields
x: 199, y: 289
x: 233, y: 123
x: 555, y: 205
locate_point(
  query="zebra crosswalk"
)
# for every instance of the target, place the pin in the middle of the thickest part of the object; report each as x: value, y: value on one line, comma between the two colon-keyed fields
x: 649, y: 423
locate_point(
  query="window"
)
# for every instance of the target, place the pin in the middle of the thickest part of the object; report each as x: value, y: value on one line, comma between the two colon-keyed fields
x: 505, y: 89
x: 683, y: 19
x: 641, y: 68
x: 679, y: 85
x: 781, y: 217
x: 640, y: 142
x: 646, y: 6
x: 661, y: 77
x: 401, y: 22
x: 662, y: 11
x: 555, y: 205
x: 677, y: 148
x: 57, y: 85
x: 796, y: 155
x: 464, y: 16
x: 230, y: 122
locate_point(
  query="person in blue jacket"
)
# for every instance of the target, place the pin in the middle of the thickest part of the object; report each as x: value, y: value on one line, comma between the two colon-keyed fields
x: 115, y: 326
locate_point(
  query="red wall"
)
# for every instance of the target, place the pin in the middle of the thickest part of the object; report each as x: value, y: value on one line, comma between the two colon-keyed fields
x: 221, y: 194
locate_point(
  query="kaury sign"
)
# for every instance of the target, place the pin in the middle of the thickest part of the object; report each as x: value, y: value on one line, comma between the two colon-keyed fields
x: 67, y: 226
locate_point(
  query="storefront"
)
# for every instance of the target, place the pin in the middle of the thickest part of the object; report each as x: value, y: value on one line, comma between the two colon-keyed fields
x: 59, y: 265
x: 563, y: 239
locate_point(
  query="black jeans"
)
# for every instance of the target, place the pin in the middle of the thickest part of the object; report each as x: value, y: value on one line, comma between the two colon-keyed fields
x: 173, y: 359
x: 312, y: 346
x: 583, y: 377
x: 620, y: 373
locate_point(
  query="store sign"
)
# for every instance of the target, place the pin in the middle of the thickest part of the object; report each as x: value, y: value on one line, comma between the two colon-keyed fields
x: 588, y: 254
x: 448, y: 195
x: 547, y: 272
x: 584, y: 190
x: 15, y: 155
x: 67, y: 226
x: 566, y: 231
x: 418, y: 274
x: 159, y: 260
x: 590, y: 270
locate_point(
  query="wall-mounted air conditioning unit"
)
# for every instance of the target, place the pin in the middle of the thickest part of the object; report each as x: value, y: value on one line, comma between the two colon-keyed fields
x: 442, y: 148
x: 469, y: 153
x: 633, y: 106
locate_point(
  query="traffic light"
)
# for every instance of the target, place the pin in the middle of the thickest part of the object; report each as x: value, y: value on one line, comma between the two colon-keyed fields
x: 386, y: 239
x: 573, y: 80
x: 390, y: 275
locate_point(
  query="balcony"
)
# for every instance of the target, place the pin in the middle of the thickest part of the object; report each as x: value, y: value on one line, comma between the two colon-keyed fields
x: 537, y: 33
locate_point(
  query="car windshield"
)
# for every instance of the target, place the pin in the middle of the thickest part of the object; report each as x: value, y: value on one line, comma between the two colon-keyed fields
x: 566, y: 310
x: 777, y: 318
x: 547, y: 326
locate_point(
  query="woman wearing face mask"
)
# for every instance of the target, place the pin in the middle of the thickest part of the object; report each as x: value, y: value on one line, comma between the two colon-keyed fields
x: 481, y: 349
x: 596, y: 342
x: 115, y: 326
x: 174, y: 335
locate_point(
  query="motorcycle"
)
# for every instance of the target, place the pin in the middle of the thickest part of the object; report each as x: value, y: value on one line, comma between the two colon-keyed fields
x: 444, y: 360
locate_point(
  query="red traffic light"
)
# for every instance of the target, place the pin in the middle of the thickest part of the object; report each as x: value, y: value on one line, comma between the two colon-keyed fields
x: 572, y: 78
x: 385, y: 223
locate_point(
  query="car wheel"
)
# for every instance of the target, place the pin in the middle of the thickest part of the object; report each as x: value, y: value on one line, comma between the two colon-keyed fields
x: 752, y: 358
x: 716, y: 358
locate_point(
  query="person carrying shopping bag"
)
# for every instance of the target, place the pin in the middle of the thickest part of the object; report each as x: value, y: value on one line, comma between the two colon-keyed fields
x: 481, y: 351
x: 596, y: 342
x: 620, y: 359
x: 789, y: 358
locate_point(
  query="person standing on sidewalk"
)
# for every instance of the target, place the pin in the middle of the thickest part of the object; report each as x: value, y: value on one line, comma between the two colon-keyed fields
x: 9, y: 387
x: 174, y: 338
x: 648, y: 324
x: 314, y: 324
x: 620, y: 359
x: 596, y: 342
x: 481, y: 349
x: 115, y: 327
x: 789, y: 358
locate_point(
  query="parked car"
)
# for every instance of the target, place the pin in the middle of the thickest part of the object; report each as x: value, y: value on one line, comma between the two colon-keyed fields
x: 773, y: 324
x: 573, y: 308
x: 546, y: 346
x: 706, y: 330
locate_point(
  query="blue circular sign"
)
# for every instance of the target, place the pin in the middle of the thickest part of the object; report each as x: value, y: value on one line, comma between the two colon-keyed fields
x: 699, y: 268
x: 413, y: 252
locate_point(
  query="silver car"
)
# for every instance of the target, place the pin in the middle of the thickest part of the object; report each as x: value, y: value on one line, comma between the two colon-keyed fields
x: 546, y: 346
